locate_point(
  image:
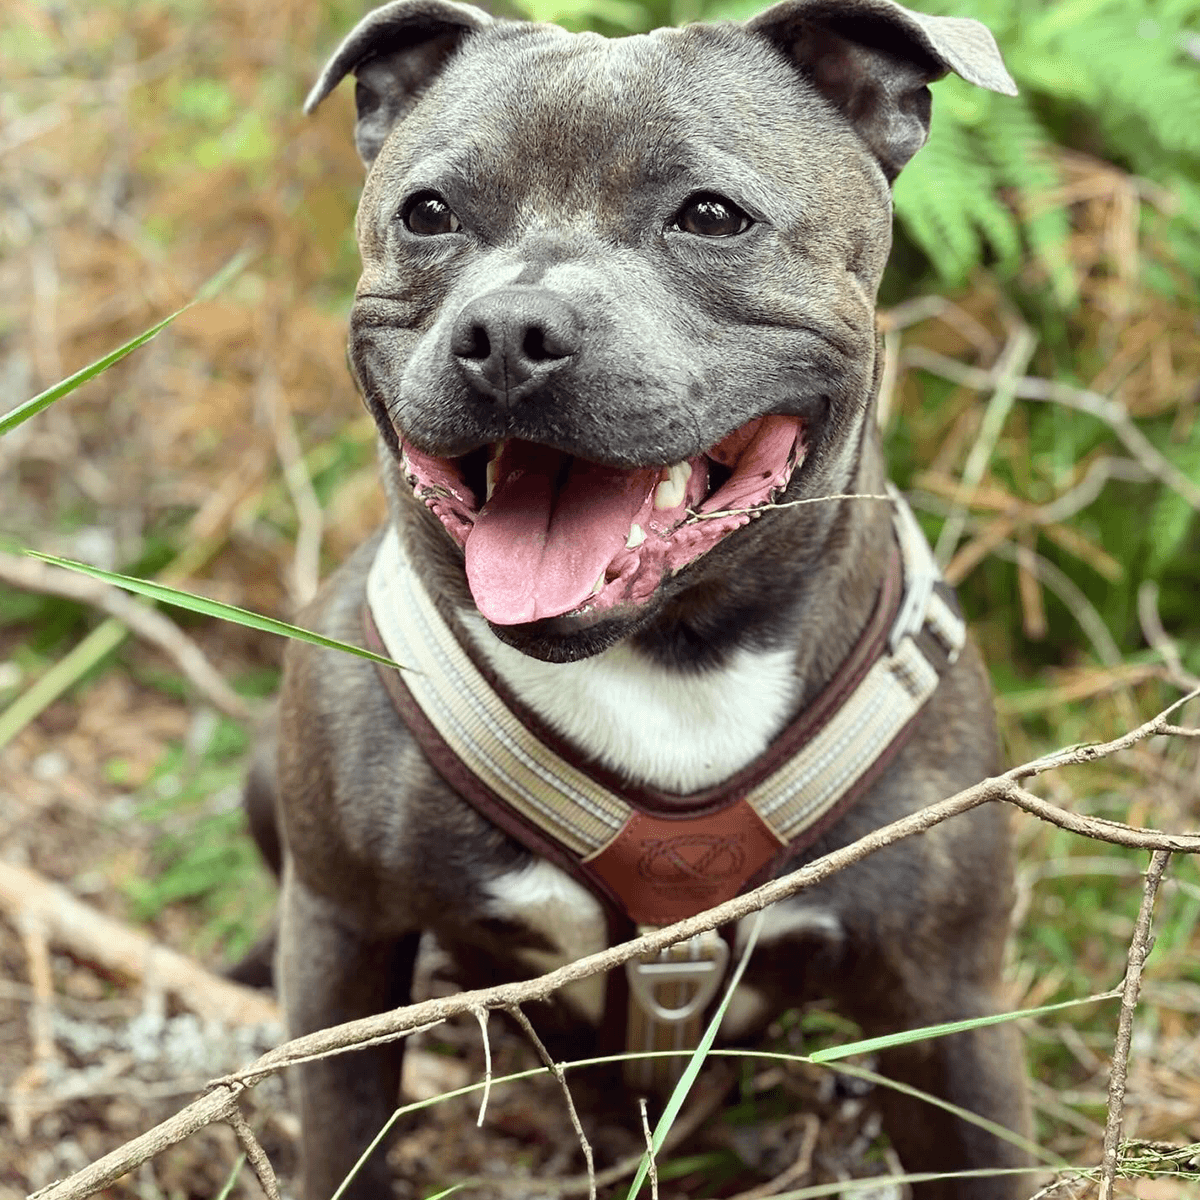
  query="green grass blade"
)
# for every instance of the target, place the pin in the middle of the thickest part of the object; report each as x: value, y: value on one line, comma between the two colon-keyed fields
x: 227, y: 1187
x: 964, y: 1114
x: 675, y: 1103
x: 871, y: 1183
x: 905, y: 1036
x: 31, y: 408
x: 211, y: 608
x: 64, y: 674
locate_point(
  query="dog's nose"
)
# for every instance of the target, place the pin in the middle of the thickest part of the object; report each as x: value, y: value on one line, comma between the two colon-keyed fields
x: 509, y: 342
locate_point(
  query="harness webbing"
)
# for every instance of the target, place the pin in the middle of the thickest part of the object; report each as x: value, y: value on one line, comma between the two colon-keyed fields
x: 658, y: 863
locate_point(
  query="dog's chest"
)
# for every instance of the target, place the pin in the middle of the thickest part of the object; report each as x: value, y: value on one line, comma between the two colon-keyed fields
x: 669, y: 730
x: 672, y: 730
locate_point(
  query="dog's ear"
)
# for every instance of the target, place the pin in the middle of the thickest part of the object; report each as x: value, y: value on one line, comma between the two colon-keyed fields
x: 873, y: 59
x: 395, y: 52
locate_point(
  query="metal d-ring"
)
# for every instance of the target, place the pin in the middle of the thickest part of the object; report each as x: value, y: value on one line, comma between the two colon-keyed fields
x: 704, y: 967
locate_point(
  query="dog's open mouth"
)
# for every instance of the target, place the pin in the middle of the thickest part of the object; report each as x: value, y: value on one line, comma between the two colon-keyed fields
x: 547, y: 534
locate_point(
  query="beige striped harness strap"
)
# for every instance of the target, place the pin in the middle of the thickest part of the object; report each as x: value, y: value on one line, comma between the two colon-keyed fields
x: 659, y: 858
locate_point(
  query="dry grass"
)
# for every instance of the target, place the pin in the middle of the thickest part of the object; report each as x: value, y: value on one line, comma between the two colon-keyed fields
x: 140, y: 147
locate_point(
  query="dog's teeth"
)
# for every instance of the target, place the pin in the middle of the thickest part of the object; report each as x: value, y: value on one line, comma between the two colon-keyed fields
x: 637, y: 535
x: 671, y: 491
x: 493, y: 470
x: 599, y: 585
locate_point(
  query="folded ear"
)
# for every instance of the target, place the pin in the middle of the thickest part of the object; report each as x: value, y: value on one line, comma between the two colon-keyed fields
x: 395, y: 52
x: 872, y: 59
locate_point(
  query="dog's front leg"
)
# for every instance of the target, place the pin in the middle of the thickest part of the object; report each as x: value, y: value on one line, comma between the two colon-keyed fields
x: 978, y: 1071
x: 332, y: 972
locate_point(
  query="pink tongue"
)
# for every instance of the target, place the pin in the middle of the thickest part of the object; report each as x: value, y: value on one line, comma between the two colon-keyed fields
x: 537, y: 550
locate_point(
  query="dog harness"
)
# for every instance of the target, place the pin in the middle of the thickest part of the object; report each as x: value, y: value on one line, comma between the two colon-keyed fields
x: 655, y: 857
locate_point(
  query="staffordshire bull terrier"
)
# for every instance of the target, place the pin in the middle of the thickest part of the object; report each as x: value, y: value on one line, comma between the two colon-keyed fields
x: 616, y: 318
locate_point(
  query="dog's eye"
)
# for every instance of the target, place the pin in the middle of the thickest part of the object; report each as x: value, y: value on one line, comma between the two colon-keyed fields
x: 428, y: 215
x: 709, y: 215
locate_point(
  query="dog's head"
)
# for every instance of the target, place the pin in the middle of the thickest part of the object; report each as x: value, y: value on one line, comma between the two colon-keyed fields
x: 618, y: 295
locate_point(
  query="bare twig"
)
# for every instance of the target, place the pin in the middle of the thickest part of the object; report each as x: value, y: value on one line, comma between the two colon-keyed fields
x: 1071, y: 594
x: 760, y: 508
x: 141, y: 618
x: 216, y: 1105
x: 1049, y: 574
x: 1156, y: 635
x: 1008, y: 369
x: 1013, y: 514
x: 41, y: 1012
x: 1063, y: 1189
x: 1077, y: 497
x: 924, y: 308
x: 1111, y: 412
x: 255, y: 1153
x: 652, y: 1170
x: 306, y: 564
x: 559, y: 1074
x: 22, y: 1095
x: 708, y: 1096
x: 481, y: 1015
x: 910, y: 312
x: 1139, y: 949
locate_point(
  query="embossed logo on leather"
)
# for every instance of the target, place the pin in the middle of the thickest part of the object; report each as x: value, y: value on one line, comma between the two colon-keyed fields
x: 665, y: 868
x: 691, y: 860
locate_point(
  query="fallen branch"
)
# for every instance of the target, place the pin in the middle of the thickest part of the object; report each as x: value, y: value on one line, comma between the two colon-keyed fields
x: 221, y: 1101
x: 93, y: 937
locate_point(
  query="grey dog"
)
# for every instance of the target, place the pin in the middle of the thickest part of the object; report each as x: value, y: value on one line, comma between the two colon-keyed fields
x: 616, y: 315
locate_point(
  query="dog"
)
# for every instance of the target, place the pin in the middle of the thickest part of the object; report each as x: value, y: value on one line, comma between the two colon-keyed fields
x: 616, y: 327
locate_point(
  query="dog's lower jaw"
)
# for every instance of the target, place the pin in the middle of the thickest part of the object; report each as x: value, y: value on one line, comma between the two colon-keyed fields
x: 572, y: 639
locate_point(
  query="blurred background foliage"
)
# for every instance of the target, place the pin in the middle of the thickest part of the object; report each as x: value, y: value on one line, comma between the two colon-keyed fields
x: 1042, y: 322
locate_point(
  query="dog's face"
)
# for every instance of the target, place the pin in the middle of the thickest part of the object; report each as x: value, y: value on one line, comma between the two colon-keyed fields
x: 617, y: 296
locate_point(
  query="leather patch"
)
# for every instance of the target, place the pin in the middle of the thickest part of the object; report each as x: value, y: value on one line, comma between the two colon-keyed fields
x: 666, y: 868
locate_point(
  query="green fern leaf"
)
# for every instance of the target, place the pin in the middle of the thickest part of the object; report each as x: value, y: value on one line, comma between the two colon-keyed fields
x: 1172, y: 516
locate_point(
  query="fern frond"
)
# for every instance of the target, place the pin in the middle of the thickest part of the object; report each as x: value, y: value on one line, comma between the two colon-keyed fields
x: 1116, y: 71
x: 947, y: 200
x: 1172, y: 516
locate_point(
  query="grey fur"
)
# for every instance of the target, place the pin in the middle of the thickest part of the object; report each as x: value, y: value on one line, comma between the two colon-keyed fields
x: 565, y: 159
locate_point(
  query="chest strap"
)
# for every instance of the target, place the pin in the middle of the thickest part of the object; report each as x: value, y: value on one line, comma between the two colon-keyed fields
x: 654, y: 857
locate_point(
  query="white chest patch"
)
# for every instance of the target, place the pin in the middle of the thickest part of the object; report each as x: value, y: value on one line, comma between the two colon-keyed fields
x: 548, y: 901
x: 676, y: 731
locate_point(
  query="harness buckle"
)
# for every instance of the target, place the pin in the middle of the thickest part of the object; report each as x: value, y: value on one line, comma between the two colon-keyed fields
x: 668, y: 994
